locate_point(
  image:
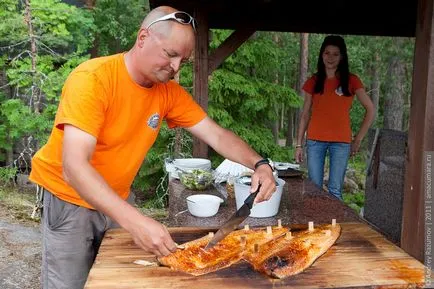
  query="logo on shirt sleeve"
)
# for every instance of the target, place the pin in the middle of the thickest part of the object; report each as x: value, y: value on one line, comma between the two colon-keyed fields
x: 154, y: 120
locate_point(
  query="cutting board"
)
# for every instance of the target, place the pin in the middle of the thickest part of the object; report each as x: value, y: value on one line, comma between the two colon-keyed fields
x: 360, y: 258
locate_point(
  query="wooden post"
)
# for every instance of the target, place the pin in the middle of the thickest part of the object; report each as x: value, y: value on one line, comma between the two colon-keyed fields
x: 420, y: 133
x: 200, y: 75
x: 235, y: 40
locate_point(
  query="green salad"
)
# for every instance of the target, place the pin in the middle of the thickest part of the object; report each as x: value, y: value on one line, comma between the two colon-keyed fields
x: 196, y: 179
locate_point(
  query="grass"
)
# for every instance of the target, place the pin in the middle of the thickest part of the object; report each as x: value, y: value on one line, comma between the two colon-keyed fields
x: 356, y: 200
x: 17, y: 202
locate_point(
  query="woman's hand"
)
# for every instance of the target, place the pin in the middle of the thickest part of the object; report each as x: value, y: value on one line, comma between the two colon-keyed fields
x: 298, y: 155
x: 355, y: 146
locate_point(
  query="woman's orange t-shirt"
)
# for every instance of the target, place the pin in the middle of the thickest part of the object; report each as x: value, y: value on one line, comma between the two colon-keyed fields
x: 100, y: 98
x: 330, y: 111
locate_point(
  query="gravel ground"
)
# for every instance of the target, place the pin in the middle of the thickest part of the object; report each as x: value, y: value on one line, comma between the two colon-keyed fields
x: 20, y: 252
x: 20, y: 247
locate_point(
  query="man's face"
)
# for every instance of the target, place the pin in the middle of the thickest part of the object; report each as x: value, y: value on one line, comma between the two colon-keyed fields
x: 165, y: 54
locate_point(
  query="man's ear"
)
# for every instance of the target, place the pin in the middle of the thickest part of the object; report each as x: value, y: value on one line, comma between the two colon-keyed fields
x: 142, y: 35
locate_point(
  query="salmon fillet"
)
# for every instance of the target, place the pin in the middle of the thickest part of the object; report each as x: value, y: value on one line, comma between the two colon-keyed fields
x: 195, y: 260
x: 286, y: 256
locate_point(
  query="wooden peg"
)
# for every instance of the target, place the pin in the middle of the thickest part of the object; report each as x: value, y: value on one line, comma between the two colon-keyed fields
x: 256, y: 248
x: 243, y: 240
x: 333, y: 222
x: 310, y: 226
x: 246, y: 227
x: 279, y: 223
x: 269, y: 231
x: 288, y: 235
x: 211, y: 234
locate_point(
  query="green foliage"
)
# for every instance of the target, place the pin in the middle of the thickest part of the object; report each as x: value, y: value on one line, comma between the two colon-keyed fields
x: 62, y: 26
x: 355, y: 200
x: 247, y: 87
x: 117, y: 24
x: 62, y: 34
x: 7, y: 175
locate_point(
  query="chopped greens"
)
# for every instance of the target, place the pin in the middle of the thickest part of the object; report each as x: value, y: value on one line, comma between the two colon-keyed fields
x: 196, y: 179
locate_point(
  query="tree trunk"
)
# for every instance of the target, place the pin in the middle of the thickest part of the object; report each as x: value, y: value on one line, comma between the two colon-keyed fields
x: 294, y: 114
x: 90, y: 4
x: 275, y: 124
x: 394, y: 98
x: 304, y: 54
x: 290, y: 131
x: 375, y: 95
x: 35, y: 95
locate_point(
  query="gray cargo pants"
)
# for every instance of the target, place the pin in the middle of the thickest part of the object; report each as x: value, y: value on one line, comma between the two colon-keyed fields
x: 71, y: 236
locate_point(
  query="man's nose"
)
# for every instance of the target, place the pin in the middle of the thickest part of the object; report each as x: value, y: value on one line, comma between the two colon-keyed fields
x: 175, y: 64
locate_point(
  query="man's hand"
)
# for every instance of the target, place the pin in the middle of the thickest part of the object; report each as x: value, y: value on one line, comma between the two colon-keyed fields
x: 152, y: 236
x: 263, y: 175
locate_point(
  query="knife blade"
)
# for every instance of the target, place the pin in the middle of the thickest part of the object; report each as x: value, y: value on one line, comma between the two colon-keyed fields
x: 240, y: 215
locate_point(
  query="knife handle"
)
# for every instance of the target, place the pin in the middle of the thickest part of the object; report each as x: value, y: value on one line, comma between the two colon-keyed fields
x: 251, y: 197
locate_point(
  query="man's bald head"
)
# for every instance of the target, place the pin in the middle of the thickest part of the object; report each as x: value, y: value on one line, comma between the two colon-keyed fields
x: 163, y: 28
x: 161, y: 46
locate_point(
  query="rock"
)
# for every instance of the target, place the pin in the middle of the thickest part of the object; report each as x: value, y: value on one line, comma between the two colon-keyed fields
x: 350, y: 186
x: 23, y: 181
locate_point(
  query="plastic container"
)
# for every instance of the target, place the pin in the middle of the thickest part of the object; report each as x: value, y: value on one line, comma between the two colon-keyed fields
x: 264, y: 209
x: 203, y: 205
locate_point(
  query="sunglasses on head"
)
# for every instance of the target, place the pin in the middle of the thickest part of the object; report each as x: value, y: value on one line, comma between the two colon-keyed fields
x: 180, y: 17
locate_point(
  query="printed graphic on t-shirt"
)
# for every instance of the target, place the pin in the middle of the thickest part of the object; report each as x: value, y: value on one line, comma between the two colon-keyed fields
x: 339, y: 91
x: 153, y: 120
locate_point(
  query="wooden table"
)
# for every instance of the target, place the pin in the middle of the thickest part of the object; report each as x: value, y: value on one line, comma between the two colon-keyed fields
x: 361, y: 258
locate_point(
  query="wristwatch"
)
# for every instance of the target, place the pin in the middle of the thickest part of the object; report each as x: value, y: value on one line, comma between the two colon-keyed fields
x: 264, y: 162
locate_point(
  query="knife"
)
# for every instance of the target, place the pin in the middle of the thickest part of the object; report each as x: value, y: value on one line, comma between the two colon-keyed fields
x: 239, y: 216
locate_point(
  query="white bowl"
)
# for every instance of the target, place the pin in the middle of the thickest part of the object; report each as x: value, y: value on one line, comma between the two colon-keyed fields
x: 186, y: 165
x: 203, y: 205
x: 263, y: 209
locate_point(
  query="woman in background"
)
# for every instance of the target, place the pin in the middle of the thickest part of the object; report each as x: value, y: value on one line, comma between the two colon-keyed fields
x: 329, y: 94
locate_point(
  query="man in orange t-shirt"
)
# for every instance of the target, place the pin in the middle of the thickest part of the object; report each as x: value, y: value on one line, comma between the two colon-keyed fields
x: 109, y: 115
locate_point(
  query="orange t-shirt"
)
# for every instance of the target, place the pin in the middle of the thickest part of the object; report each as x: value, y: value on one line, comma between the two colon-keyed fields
x: 330, y: 112
x: 100, y: 98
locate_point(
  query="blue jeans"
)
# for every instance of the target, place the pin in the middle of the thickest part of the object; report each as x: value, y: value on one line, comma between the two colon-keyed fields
x: 339, y: 154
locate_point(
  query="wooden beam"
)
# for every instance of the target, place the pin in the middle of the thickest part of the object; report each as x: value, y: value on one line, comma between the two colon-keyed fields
x: 200, y: 75
x: 420, y: 135
x: 235, y: 40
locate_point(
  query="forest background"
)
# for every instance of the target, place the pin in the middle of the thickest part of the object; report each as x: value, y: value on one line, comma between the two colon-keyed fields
x: 42, y: 41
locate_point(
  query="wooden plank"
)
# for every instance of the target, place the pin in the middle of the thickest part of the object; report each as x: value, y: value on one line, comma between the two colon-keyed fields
x: 360, y: 258
x: 420, y: 133
x: 235, y: 40
x: 200, y: 75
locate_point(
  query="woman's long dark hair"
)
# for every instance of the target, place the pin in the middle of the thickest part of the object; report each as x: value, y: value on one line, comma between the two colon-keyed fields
x: 342, y: 71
